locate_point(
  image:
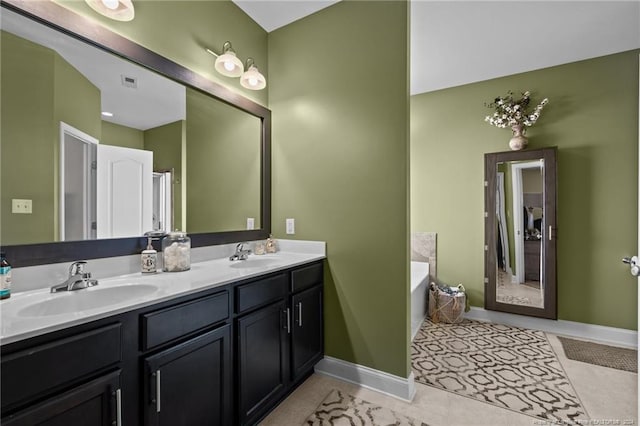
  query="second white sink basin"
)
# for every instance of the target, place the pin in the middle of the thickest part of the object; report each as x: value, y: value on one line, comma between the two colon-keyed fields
x: 86, y: 299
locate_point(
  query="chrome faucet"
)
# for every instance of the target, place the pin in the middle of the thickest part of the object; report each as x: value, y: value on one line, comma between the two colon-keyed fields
x: 241, y: 253
x: 77, y: 280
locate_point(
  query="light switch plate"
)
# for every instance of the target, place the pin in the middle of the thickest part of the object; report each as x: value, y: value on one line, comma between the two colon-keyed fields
x: 291, y: 226
x: 21, y: 206
x: 251, y: 223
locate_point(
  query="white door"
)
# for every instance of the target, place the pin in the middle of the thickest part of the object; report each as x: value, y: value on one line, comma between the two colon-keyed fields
x: 125, y: 192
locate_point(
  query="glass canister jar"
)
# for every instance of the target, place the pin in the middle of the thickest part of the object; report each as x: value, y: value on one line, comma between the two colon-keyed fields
x: 176, y: 252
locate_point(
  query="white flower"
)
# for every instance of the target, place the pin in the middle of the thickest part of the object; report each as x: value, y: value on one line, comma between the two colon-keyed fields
x: 509, y: 111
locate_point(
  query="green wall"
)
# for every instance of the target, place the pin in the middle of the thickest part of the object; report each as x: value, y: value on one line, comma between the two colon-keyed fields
x: 592, y: 118
x: 223, y: 165
x: 181, y: 30
x: 39, y: 89
x: 166, y: 142
x: 122, y: 136
x: 340, y: 168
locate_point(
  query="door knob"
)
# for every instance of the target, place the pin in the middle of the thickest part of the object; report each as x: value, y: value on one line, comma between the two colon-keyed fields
x: 633, y: 265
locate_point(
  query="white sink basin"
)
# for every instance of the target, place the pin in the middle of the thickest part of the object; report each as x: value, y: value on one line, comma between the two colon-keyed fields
x: 252, y: 263
x: 86, y: 299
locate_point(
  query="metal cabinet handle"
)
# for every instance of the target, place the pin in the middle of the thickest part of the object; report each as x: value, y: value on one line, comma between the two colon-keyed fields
x: 550, y: 233
x: 300, y: 314
x: 157, y: 398
x: 288, y: 321
x: 118, y: 407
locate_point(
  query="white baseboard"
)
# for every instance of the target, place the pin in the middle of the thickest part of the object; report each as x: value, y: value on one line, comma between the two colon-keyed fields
x: 379, y: 381
x: 609, y: 335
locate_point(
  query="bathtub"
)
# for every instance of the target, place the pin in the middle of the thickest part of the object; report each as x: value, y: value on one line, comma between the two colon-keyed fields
x: 419, y: 290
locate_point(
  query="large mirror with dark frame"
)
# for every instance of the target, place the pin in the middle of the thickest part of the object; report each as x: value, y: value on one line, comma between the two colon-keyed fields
x: 107, y: 140
x: 520, y: 228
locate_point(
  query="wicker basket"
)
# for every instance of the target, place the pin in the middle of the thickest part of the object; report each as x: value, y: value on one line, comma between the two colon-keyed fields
x: 444, y: 307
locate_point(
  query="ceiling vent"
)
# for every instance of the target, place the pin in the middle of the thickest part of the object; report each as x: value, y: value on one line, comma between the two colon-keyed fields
x: 130, y: 82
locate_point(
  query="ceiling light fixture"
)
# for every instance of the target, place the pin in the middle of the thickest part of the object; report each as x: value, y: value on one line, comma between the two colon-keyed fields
x: 252, y: 78
x: 228, y: 63
x: 120, y: 10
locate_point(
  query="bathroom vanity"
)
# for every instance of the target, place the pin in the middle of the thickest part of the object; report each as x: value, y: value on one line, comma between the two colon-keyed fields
x: 194, y: 351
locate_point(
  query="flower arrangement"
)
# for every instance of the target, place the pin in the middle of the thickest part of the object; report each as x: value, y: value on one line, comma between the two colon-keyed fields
x: 510, y: 112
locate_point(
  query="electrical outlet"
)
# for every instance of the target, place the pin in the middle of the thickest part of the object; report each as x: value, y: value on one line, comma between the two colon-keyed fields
x: 291, y: 226
x: 251, y: 223
x: 21, y: 206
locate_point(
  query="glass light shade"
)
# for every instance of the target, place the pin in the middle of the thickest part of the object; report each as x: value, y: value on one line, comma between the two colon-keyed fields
x: 120, y: 10
x: 228, y: 64
x: 252, y: 79
x: 111, y: 4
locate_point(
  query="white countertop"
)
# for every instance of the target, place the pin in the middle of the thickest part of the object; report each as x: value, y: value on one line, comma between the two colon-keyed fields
x: 17, y: 323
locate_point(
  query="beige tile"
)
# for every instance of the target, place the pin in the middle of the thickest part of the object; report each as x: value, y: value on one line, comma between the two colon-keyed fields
x: 605, y: 393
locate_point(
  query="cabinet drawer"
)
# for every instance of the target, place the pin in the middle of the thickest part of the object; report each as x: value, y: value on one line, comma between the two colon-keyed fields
x: 261, y: 292
x: 33, y: 372
x: 306, y: 277
x: 171, y: 323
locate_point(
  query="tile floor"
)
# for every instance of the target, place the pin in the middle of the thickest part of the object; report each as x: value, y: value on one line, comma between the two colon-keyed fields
x: 609, y: 396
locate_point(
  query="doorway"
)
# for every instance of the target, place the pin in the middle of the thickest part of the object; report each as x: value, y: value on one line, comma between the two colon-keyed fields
x: 163, y: 201
x: 77, y: 195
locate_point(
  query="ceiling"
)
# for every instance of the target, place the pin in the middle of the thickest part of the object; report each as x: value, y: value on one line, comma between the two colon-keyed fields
x: 452, y: 43
x: 154, y: 101
x: 458, y: 42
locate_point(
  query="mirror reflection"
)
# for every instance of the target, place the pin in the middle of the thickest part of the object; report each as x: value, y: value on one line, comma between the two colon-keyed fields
x: 519, y: 233
x: 103, y: 148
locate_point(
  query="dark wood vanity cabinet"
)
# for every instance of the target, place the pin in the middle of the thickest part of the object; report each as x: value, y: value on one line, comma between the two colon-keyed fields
x: 263, y: 349
x: 223, y: 356
x: 96, y: 403
x: 278, y: 344
x: 306, y: 331
x: 190, y: 383
x: 74, y: 376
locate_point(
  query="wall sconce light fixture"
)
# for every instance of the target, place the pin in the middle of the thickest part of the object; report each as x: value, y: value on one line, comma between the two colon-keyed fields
x: 228, y: 64
x: 120, y: 10
x: 252, y: 78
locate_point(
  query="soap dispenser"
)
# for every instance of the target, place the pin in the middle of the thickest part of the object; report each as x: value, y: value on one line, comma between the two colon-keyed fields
x: 149, y: 258
x: 271, y: 244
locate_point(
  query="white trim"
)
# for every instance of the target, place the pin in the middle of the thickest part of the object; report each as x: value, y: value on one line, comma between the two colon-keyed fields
x: 66, y: 129
x: 500, y: 210
x: 609, y: 335
x: 379, y: 381
x: 518, y: 218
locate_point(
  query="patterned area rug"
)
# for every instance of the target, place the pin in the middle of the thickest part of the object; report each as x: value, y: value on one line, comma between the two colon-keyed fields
x: 604, y: 355
x: 510, y: 367
x: 342, y: 409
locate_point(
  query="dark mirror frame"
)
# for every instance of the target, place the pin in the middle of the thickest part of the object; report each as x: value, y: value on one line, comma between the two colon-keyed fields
x: 549, y: 233
x: 79, y: 27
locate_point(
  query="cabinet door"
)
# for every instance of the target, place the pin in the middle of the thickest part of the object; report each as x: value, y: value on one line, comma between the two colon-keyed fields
x: 262, y: 359
x: 190, y: 383
x: 307, y: 331
x: 96, y: 403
